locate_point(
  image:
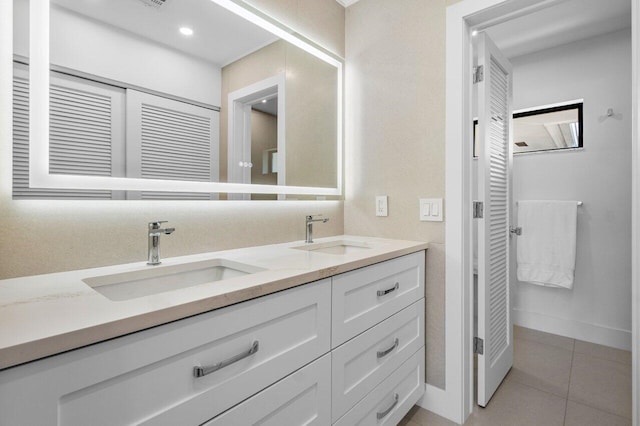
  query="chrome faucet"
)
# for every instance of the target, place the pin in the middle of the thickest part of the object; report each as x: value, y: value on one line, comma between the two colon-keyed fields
x: 309, y: 226
x: 154, y: 241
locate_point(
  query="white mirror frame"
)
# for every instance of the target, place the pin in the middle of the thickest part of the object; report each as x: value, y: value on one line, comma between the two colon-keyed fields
x: 39, y: 176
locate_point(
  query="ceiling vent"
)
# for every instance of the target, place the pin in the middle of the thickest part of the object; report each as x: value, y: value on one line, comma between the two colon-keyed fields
x: 155, y: 3
x: 521, y: 144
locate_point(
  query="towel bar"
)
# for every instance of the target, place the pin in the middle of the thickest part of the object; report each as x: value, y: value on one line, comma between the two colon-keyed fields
x: 518, y: 230
x: 579, y: 203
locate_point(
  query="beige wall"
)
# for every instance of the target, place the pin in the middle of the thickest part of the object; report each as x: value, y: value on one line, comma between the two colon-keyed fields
x: 46, y: 236
x: 322, y: 21
x: 395, y: 118
x: 310, y: 110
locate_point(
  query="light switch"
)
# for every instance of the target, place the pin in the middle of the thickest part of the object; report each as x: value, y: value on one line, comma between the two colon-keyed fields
x: 382, y: 207
x: 431, y: 209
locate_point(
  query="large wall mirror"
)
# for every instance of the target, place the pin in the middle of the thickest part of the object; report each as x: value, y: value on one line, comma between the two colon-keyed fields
x: 195, y: 99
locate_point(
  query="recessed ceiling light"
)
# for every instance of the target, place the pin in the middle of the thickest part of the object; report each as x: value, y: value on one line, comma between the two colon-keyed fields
x: 474, y: 33
x: 264, y: 101
x: 186, y: 31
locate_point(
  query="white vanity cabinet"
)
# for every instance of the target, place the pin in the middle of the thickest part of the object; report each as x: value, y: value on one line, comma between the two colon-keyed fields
x: 148, y: 377
x: 344, y: 350
x: 377, y: 331
x: 303, y: 398
x: 389, y: 402
x: 364, y: 297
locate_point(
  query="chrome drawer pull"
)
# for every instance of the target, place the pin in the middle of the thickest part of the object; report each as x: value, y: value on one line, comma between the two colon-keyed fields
x: 384, y: 353
x: 383, y: 414
x: 203, y: 371
x: 389, y: 290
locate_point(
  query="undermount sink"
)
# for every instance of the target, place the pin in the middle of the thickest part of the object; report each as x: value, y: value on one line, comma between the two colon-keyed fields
x: 335, y: 247
x: 154, y: 280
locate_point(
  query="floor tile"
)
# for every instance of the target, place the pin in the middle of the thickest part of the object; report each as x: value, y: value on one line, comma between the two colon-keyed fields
x: 421, y: 417
x: 582, y: 415
x: 605, y: 352
x: 601, y: 384
x: 518, y: 404
x: 542, y: 337
x: 544, y: 367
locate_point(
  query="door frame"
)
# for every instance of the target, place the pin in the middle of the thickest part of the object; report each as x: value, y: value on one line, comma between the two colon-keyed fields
x: 456, y: 401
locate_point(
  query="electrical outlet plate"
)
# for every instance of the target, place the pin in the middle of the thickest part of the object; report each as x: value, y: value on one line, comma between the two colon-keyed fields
x: 382, y: 207
x: 431, y: 210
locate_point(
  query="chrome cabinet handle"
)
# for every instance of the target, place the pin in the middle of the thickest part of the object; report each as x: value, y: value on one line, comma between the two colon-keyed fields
x: 383, y: 414
x: 389, y: 290
x: 384, y: 353
x: 203, y: 371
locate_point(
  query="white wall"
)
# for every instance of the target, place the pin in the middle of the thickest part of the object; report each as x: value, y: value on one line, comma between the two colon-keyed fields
x: 598, y: 70
x: 106, y: 51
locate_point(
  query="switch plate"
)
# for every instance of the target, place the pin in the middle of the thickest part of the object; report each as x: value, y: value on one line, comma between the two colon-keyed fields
x: 431, y: 209
x: 382, y: 207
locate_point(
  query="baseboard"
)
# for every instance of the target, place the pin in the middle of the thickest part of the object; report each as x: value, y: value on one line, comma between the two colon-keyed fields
x: 593, y: 333
x: 440, y: 402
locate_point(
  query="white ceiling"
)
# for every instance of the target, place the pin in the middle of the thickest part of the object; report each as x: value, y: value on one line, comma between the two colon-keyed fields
x: 269, y: 107
x: 563, y: 23
x: 219, y: 36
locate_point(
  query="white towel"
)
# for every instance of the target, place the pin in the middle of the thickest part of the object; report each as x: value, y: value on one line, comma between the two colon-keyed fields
x: 547, y: 246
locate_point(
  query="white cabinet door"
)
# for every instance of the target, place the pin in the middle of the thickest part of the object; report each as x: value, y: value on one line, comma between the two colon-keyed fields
x: 148, y: 377
x: 495, y: 325
x: 392, y: 399
x: 303, y: 398
x: 362, y: 363
x: 367, y: 296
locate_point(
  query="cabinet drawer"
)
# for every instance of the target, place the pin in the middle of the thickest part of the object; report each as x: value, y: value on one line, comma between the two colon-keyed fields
x: 392, y: 399
x: 148, y: 377
x: 367, y: 296
x: 303, y: 398
x: 362, y: 363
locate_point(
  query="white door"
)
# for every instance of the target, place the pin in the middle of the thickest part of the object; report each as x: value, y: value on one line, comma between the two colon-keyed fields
x: 495, y: 326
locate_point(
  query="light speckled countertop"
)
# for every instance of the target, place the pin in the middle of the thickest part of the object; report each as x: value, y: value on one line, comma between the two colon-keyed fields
x: 48, y: 314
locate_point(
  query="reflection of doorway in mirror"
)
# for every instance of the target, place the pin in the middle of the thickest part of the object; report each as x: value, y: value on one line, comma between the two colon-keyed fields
x: 264, y: 145
x: 256, y: 125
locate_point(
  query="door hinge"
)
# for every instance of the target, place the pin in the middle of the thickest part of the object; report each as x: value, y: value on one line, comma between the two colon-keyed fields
x: 478, y: 74
x: 478, y: 346
x: 478, y: 209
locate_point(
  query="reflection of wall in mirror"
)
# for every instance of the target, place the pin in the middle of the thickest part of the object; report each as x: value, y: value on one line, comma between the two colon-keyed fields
x: 99, y: 49
x: 310, y: 105
x: 264, y: 137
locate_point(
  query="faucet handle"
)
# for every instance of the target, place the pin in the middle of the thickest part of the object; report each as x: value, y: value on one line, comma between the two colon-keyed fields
x: 156, y: 224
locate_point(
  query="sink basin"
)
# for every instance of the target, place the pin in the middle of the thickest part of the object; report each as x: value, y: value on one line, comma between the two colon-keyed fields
x: 335, y: 247
x: 154, y: 280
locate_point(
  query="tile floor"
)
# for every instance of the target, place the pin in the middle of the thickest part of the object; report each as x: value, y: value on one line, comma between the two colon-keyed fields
x: 554, y: 381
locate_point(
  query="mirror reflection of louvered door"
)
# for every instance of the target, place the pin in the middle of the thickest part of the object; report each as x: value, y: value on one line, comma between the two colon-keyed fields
x: 168, y: 139
x: 495, y: 325
x: 85, y: 119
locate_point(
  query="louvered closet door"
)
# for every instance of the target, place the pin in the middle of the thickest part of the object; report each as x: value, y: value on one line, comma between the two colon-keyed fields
x: 495, y: 325
x: 169, y: 139
x: 86, y: 134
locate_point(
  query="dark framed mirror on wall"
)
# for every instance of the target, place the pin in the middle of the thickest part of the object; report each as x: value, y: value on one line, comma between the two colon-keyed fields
x: 549, y: 128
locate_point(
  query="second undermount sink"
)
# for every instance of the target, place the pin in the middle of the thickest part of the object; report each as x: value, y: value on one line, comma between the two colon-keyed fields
x: 335, y: 247
x: 154, y: 280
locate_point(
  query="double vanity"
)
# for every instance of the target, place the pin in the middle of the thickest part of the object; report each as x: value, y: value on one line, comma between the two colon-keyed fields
x: 330, y: 332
